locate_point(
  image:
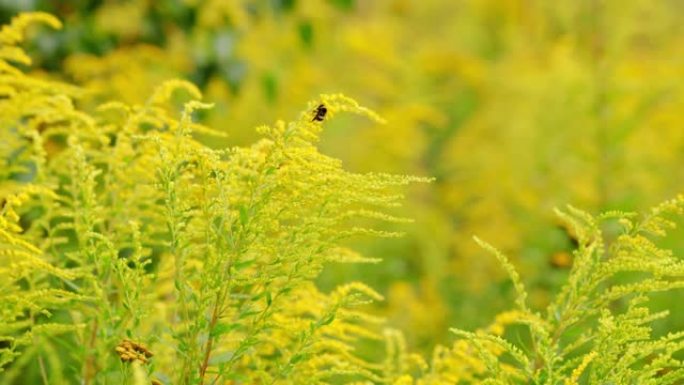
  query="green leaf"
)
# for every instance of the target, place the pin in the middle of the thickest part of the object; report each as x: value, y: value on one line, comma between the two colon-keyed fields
x: 244, y: 215
x: 266, y: 294
x: 327, y: 320
x: 223, y: 328
x: 239, y: 265
x: 248, y: 313
x: 298, y: 357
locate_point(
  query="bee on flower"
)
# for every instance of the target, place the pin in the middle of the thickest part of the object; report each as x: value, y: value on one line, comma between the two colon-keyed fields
x: 319, y: 113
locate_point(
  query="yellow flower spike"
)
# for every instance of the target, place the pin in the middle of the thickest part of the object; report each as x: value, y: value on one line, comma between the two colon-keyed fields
x: 14, y: 32
x: 335, y: 103
x: 114, y: 106
x: 164, y: 92
x: 580, y: 369
x: 357, y: 287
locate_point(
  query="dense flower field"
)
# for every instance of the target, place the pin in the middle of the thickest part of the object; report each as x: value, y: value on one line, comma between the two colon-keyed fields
x: 341, y: 192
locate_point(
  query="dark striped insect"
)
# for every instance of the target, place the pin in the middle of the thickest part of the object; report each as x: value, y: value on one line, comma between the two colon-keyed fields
x: 320, y: 112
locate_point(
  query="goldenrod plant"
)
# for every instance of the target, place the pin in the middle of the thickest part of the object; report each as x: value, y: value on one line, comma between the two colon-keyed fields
x: 597, y: 329
x: 159, y: 259
x: 136, y: 247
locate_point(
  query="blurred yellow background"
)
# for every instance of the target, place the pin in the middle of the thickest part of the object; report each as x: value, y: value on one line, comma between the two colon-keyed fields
x: 515, y: 106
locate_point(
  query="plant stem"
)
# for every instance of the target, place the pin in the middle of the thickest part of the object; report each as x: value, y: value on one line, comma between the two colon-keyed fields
x: 210, y: 339
x: 89, y: 366
x: 43, y: 373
